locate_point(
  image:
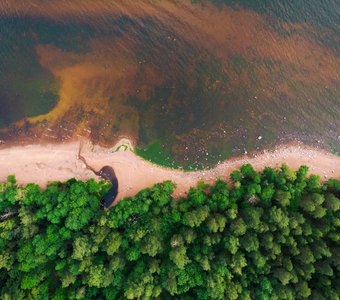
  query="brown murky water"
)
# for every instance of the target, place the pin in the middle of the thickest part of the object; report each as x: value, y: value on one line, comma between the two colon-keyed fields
x: 193, y: 83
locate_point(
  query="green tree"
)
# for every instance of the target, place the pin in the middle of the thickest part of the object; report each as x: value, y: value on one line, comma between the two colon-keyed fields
x: 269, y: 235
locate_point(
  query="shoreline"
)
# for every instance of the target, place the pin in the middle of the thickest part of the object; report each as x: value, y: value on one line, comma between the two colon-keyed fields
x: 58, y: 162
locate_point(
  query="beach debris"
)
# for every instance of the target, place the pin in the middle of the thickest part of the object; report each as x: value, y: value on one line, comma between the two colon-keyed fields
x: 259, y: 137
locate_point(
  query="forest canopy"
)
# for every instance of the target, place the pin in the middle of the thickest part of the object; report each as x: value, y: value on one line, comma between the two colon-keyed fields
x: 267, y: 235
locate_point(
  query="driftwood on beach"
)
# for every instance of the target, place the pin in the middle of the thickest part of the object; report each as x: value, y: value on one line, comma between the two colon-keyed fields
x: 108, y: 174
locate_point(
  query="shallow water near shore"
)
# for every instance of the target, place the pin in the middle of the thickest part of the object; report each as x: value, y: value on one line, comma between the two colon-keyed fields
x: 192, y: 83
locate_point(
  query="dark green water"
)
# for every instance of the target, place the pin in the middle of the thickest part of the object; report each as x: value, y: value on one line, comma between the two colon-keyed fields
x: 194, y: 84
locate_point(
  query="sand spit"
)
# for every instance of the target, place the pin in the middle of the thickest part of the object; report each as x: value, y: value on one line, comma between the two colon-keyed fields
x: 44, y: 163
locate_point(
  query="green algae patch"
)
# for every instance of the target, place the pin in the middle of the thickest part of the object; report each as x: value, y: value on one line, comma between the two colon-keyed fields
x: 155, y: 153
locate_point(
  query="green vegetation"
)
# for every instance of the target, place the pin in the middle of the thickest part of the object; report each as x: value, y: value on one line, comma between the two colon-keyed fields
x: 270, y: 235
x: 157, y: 154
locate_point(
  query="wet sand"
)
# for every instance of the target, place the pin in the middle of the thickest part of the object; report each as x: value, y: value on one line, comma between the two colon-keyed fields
x: 43, y: 163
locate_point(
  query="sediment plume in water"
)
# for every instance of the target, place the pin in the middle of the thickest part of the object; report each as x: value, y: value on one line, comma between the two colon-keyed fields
x: 219, y: 70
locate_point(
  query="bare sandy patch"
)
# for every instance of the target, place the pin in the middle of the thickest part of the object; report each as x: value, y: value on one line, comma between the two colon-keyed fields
x: 44, y: 163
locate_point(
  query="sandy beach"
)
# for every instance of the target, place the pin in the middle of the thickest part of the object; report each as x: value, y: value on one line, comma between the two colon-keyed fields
x: 43, y: 163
